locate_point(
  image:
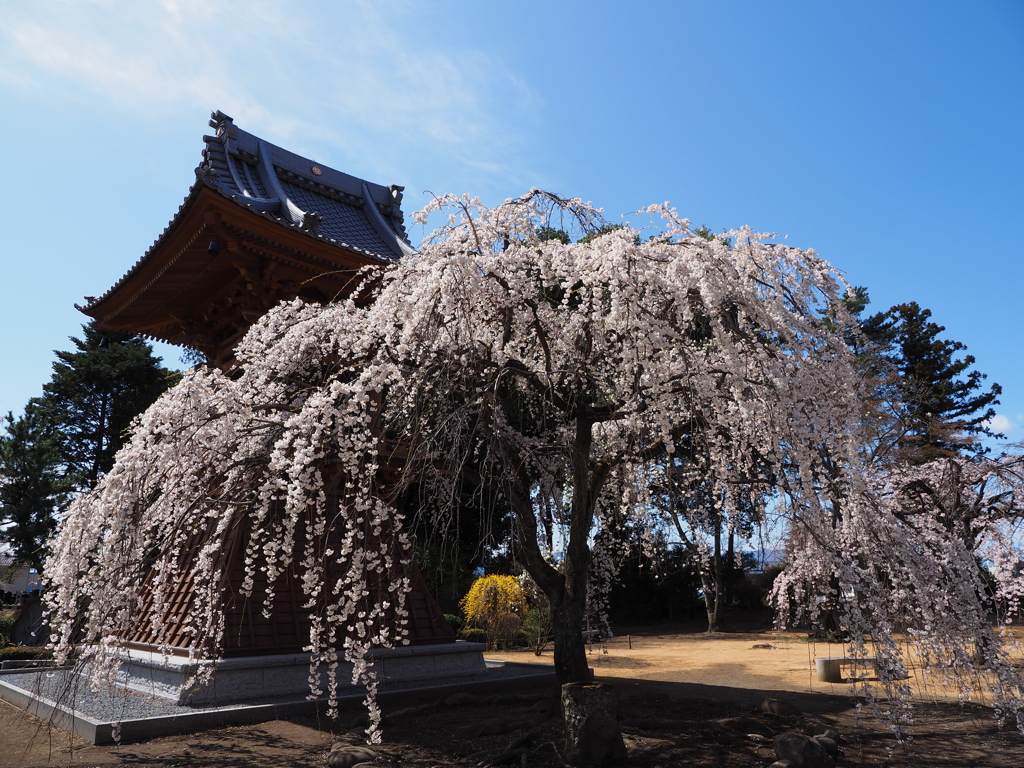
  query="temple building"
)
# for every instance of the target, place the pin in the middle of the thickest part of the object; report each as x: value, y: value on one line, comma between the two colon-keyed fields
x: 260, y: 225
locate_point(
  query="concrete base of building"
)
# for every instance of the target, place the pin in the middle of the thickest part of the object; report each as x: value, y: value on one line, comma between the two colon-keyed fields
x: 64, y: 697
x: 240, y: 679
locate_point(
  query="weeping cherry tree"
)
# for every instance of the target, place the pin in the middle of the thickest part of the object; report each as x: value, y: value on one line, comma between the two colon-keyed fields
x: 535, y: 373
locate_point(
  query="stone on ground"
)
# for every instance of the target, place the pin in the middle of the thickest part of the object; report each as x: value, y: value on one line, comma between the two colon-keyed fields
x: 779, y: 707
x: 347, y: 756
x: 820, y: 729
x: 802, y: 751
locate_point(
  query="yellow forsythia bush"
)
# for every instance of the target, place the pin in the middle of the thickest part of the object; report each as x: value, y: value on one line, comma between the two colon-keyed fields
x: 496, y: 604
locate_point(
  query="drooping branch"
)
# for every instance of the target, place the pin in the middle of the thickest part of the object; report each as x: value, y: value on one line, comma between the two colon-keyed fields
x: 521, y: 366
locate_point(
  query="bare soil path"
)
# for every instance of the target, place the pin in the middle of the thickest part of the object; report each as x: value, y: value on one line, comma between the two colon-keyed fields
x: 760, y: 660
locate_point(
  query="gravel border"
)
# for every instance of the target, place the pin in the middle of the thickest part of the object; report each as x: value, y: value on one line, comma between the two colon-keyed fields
x: 112, y: 713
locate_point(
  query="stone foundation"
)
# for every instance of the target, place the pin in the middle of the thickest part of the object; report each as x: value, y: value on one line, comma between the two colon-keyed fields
x: 259, y: 678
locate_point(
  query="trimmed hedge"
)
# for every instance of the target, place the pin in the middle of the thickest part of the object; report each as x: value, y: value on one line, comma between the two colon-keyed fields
x: 24, y: 653
x: 473, y: 635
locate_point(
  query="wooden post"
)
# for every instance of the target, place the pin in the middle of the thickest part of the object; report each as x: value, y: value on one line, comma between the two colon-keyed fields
x: 592, y: 735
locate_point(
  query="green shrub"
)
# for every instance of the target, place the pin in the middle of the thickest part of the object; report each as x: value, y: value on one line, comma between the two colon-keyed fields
x: 24, y: 653
x: 537, y: 627
x: 473, y: 635
x: 6, y: 627
x: 454, y: 621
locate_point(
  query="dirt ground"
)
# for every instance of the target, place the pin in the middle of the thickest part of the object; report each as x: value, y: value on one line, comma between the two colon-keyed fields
x: 685, y: 699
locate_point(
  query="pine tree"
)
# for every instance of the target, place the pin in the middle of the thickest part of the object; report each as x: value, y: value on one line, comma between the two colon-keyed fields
x: 67, y: 438
x: 32, y: 485
x: 94, y: 394
x: 950, y: 410
x: 943, y: 409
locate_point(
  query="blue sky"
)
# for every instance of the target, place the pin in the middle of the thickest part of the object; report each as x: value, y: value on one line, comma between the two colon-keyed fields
x: 889, y: 136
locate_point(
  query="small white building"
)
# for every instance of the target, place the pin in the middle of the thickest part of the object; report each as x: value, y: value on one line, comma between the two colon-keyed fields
x: 16, y: 577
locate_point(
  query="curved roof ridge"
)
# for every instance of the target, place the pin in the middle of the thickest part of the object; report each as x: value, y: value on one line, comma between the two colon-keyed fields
x: 323, y: 203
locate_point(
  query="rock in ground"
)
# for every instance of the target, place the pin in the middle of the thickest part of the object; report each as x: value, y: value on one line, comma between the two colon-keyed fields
x: 779, y: 707
x: 347, y: 756
x: 829, y: 744
x: 820, y: 729
x: 802, y: 751
x: 746, y: 724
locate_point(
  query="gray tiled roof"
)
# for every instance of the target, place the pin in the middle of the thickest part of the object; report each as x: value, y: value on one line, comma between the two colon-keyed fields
x: 299, y: 193
x: 323, y: 203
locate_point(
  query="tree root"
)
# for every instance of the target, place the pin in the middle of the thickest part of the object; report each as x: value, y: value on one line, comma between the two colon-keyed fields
x: 561, y: 760
x: 514, y: 749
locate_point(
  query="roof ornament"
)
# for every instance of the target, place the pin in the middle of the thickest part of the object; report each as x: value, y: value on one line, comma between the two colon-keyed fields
x: 311, y: 222
x: 396, y: 211
x: 223, y: 124
x: 387, y: 234
x: 208, y: 175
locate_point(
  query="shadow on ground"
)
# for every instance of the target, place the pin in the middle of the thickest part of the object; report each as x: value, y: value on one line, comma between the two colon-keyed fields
x: 664, y: 724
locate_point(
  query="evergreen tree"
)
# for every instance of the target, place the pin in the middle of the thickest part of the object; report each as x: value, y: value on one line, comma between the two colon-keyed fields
x: 94, y: 394
x: 950, y: 410
x: 67, y: 438
x: 32, y: 485
x: 944, y: 410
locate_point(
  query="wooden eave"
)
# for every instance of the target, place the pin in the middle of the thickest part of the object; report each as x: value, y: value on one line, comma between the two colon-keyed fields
x: 216, y: 270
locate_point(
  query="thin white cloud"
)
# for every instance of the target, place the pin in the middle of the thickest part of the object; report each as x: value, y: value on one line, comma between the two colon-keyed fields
x: 386, y: 85
x: 1000, y: 424
x: 352, y: 73
x: 135, y: 57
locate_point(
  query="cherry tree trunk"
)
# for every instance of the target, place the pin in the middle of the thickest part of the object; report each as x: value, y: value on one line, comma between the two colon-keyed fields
x: 717, y: 593
x: 592, y: 735
x: 711, y: 601
x: 567, y: 632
